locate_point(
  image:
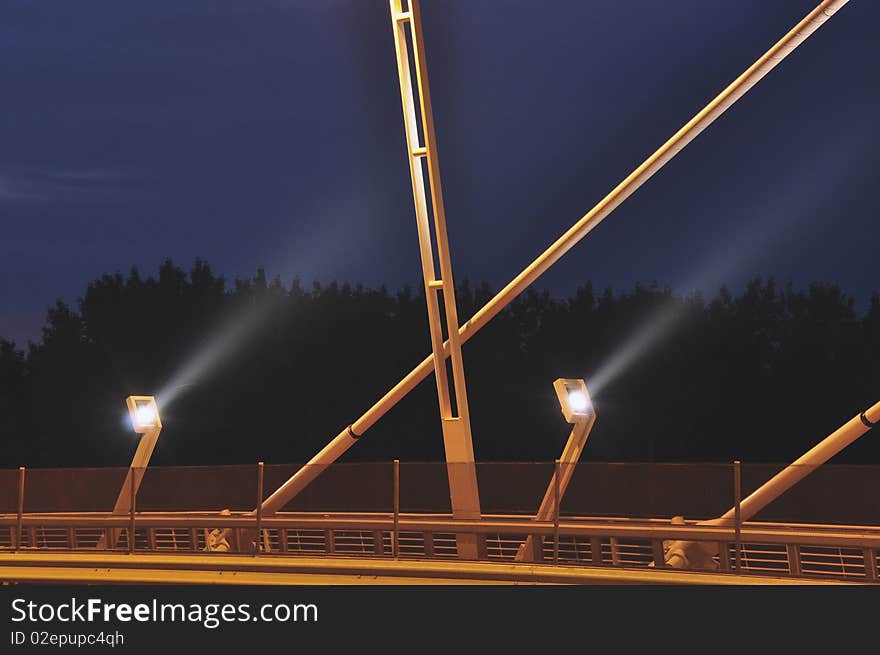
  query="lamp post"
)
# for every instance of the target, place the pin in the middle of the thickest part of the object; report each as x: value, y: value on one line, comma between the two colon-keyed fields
x: 577, y: 408
x: 144, y: 414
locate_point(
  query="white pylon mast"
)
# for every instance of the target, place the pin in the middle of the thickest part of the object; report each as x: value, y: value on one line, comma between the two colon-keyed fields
x: 417, y: 112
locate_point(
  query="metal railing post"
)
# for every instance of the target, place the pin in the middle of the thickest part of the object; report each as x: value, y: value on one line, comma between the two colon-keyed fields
x: 258, y: 541
x: 555, y: 515
x: 614, y: 543
x: 870, y: 556
x: 395, y: 545
x: 133, y: 494
x: 20, y: 508
x: 793, y: 554
x: 596, y: 550
x: 737, y: 515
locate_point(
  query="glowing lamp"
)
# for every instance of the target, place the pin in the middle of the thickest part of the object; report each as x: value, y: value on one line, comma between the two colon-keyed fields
x: 574, y: 399
x: 144, y: 413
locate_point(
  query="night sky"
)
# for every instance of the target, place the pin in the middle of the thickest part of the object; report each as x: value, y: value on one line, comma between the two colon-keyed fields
x: 269, y: 134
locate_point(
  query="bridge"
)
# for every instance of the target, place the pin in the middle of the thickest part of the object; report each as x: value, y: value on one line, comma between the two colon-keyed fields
x: 467, y: 542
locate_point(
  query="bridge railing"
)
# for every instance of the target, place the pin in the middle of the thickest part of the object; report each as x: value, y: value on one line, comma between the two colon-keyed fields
x: 840, y: 552
x: 368, y: 510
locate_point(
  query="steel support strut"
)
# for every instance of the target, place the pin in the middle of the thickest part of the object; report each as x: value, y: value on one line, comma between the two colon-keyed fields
x: 693, y: 554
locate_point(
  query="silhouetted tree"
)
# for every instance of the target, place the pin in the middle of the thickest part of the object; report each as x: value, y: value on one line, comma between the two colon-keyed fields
x: 254, y: 369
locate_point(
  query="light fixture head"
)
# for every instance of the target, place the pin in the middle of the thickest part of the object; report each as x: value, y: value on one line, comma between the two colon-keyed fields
x: 574, y: 399
x: 144, y: 413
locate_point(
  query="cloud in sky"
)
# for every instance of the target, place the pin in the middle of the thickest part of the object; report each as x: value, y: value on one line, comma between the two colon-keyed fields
x: 31, y: 184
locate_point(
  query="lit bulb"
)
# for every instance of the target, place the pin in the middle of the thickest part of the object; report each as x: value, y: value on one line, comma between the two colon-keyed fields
x: 578, y: 401
x: 145, y: 415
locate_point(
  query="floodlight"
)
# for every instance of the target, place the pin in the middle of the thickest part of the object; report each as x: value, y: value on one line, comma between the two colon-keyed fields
x: 574, y: 399
x: 144, y: 413
x: 577, y: 408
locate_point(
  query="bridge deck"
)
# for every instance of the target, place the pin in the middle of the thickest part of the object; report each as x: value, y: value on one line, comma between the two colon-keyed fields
x: 123, y: 568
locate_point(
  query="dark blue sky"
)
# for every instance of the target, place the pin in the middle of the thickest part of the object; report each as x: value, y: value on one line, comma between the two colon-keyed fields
x: 266, y: 133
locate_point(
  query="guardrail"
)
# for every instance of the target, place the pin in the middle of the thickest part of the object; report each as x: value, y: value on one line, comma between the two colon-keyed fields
x: 774, y: 549
x: 577, y: 537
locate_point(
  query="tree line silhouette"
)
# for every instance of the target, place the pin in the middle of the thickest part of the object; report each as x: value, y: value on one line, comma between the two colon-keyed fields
x: 269, y: 371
